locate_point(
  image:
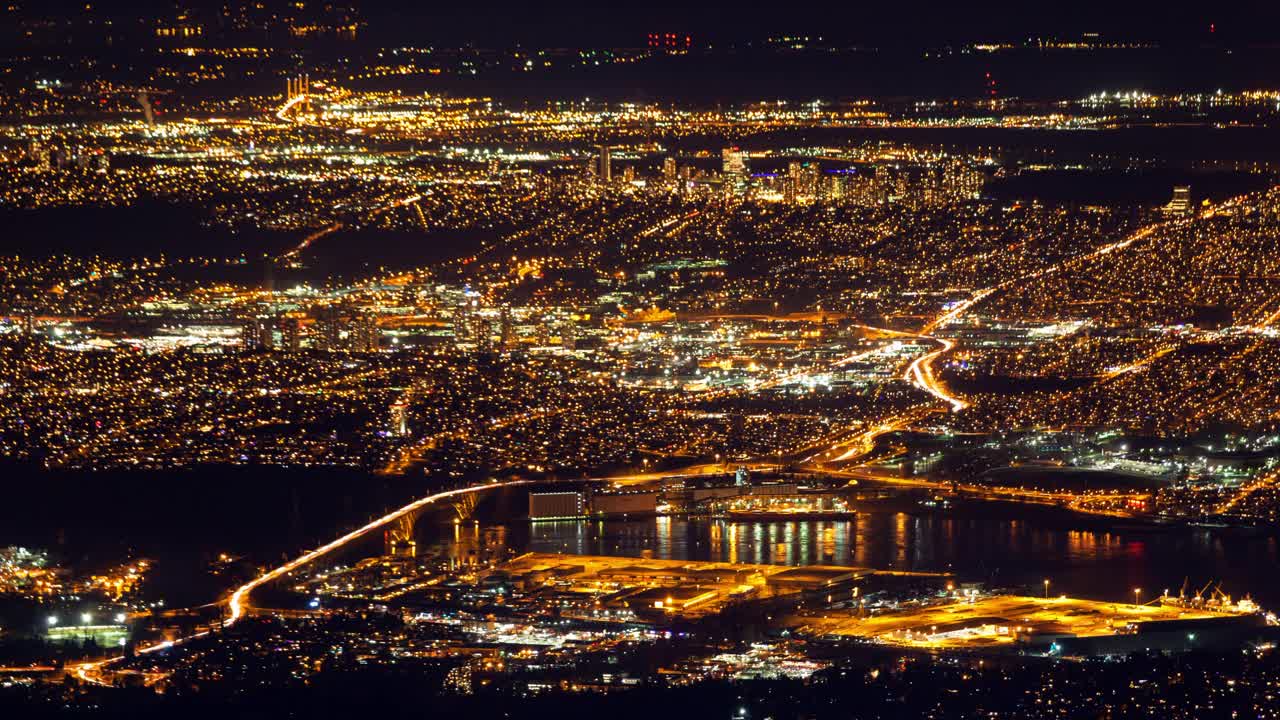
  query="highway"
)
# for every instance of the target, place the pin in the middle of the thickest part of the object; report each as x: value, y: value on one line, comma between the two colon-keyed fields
x: 1078, y: 502
x: 921, y: 372
x: 239, y: 602
x: 283, y: 113
x: 1265, y: 480
x: 336, y: 226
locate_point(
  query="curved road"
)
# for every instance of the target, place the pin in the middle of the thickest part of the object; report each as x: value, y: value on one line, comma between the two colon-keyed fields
x: 239, y: 601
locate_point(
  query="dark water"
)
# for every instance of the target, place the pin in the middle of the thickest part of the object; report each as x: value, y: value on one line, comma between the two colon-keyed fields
x: 180, y: 518
x: 1004, y: 546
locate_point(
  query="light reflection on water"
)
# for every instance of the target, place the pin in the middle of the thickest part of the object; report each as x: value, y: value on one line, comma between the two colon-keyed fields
x: 1000, y: 550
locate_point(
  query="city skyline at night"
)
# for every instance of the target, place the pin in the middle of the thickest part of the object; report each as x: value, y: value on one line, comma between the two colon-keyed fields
x: 748, y: 360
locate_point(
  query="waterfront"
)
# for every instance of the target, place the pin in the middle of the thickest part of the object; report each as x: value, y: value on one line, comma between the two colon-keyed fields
x: 999, y: 545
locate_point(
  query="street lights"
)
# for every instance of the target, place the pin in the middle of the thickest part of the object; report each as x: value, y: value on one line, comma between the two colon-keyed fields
x: 53, y: 620
x: 1046, y: 588
x: 1136, y: 593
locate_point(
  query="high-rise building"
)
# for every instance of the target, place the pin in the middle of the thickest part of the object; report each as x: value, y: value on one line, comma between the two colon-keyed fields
x: 835, y: 187
x: 669, y: 171
x: 1180, y: 205
x: 482, y: 333
x: 257, y: 333
x: 812, y: 181
x: 266, y: 333
x: 629, y: 174
x: 363, y: 335
x: 462, y: 322
x: 605, y: 170
x: 291, y: 334
x: 400, y: 418
x: 542, y: 332
x: 685, y: 175
x: 733, y: 161
x: 328, y: 335
x: 902, y: 188
x: 960, y: 182
x: 569, y: 335
x: 733, y: 165
x: 506, y: 330
x: 791, y: 183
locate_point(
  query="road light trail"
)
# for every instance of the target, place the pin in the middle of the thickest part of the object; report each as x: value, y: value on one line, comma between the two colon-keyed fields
x: 339, y: 225
x: 1243, y: 493
x: 1137, y: 364
x: 863, y: 442
x: 238, y: 604
x: 412, y: 453
x: 921, y: 372
x: 959, y: 309
x: 283, y: 113
x: 306, y: 242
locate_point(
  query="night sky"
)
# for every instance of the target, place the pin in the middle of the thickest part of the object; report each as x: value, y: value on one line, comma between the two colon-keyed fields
x: 878, y: 23
x: 574, y: 23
